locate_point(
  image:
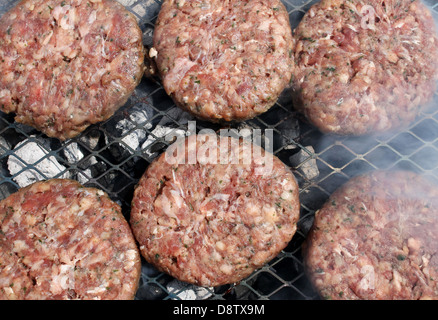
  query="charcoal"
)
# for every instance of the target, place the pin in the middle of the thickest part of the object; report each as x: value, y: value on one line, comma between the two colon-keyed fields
x: 5, y: 188
x: 4, y: 146
x: 150, y: 291
x: 73, y: 153
x: 176, y: 116
x: 174, y: 124
x: 84, y: 176
x: 25, y: 128
x: 159, y: 140
x: 305, y: 223
x: 90, y: 168
x: 91, y: 139
x: 305, y: 163
x: 127, y: 3
x: 186, y: 291
x: 290, y: 131
x: 26, y: 154
x: 129, y: 131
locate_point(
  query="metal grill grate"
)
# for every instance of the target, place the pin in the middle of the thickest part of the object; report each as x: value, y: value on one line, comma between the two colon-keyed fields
x: 114, y: 154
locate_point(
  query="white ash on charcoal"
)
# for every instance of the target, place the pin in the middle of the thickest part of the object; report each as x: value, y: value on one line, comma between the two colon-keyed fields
x: 90, y: 169
x: 141, y: 115
x: 165, y: 133
x: 130, y: 130
x: 186, y: 291
x: 87, y: 168
x: 4, y: 146
x: 25, y: 165
x: 84, y: 177
x: 73, y: 153
x: 91, y: 139
x: 305, y: 163
x: 138, y: 120
x: 5, y: 188
x: 160, y: 138
x: 127, y: 3
x: 134, y: 139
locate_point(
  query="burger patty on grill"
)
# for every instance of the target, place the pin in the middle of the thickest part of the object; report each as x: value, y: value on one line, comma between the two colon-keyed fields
x: 59, y: 240
x: 224, y: 60
x: 364, y: 66
x: 376, y: 238
x: 212, y: 224
x: 66, y: 64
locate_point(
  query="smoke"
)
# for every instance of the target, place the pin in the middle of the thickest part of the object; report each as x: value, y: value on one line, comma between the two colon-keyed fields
x: 6, y: 5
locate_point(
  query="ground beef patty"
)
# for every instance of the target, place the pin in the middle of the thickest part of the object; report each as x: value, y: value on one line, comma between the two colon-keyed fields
x: 59, y: 240
x: 224, y: 60
x: 213, y: 224
x: 364, y: 66
x: 376, y: 238
x: 66, y: 64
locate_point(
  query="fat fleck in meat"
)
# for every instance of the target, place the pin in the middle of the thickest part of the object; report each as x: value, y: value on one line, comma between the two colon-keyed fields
x: 224, y: 60
x: 364, y: 66
x: 66, y: 64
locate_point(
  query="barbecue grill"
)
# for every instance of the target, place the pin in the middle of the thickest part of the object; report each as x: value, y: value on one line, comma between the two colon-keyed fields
x: 114, y: 154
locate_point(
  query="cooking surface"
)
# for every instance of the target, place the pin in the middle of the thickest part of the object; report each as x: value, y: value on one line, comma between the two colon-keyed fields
x: 114, y: 154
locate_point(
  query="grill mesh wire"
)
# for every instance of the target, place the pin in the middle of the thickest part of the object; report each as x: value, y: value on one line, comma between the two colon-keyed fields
x: 117, y: 167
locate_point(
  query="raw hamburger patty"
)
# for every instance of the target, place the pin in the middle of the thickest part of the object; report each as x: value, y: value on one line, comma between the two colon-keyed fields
x: 212, y: 224
x: 59, y: 240
x: 224, y: 60
x: 376, y: 238
x: 66, y: 64
x: 364, y: 66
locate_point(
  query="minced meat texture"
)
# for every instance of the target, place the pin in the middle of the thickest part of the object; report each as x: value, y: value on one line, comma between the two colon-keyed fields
x: 365, y: 66
x: 376, y: 239
x: 66, y: 64
x: 224, y: 60
x: 213, y: 224
x: 59, y: 240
